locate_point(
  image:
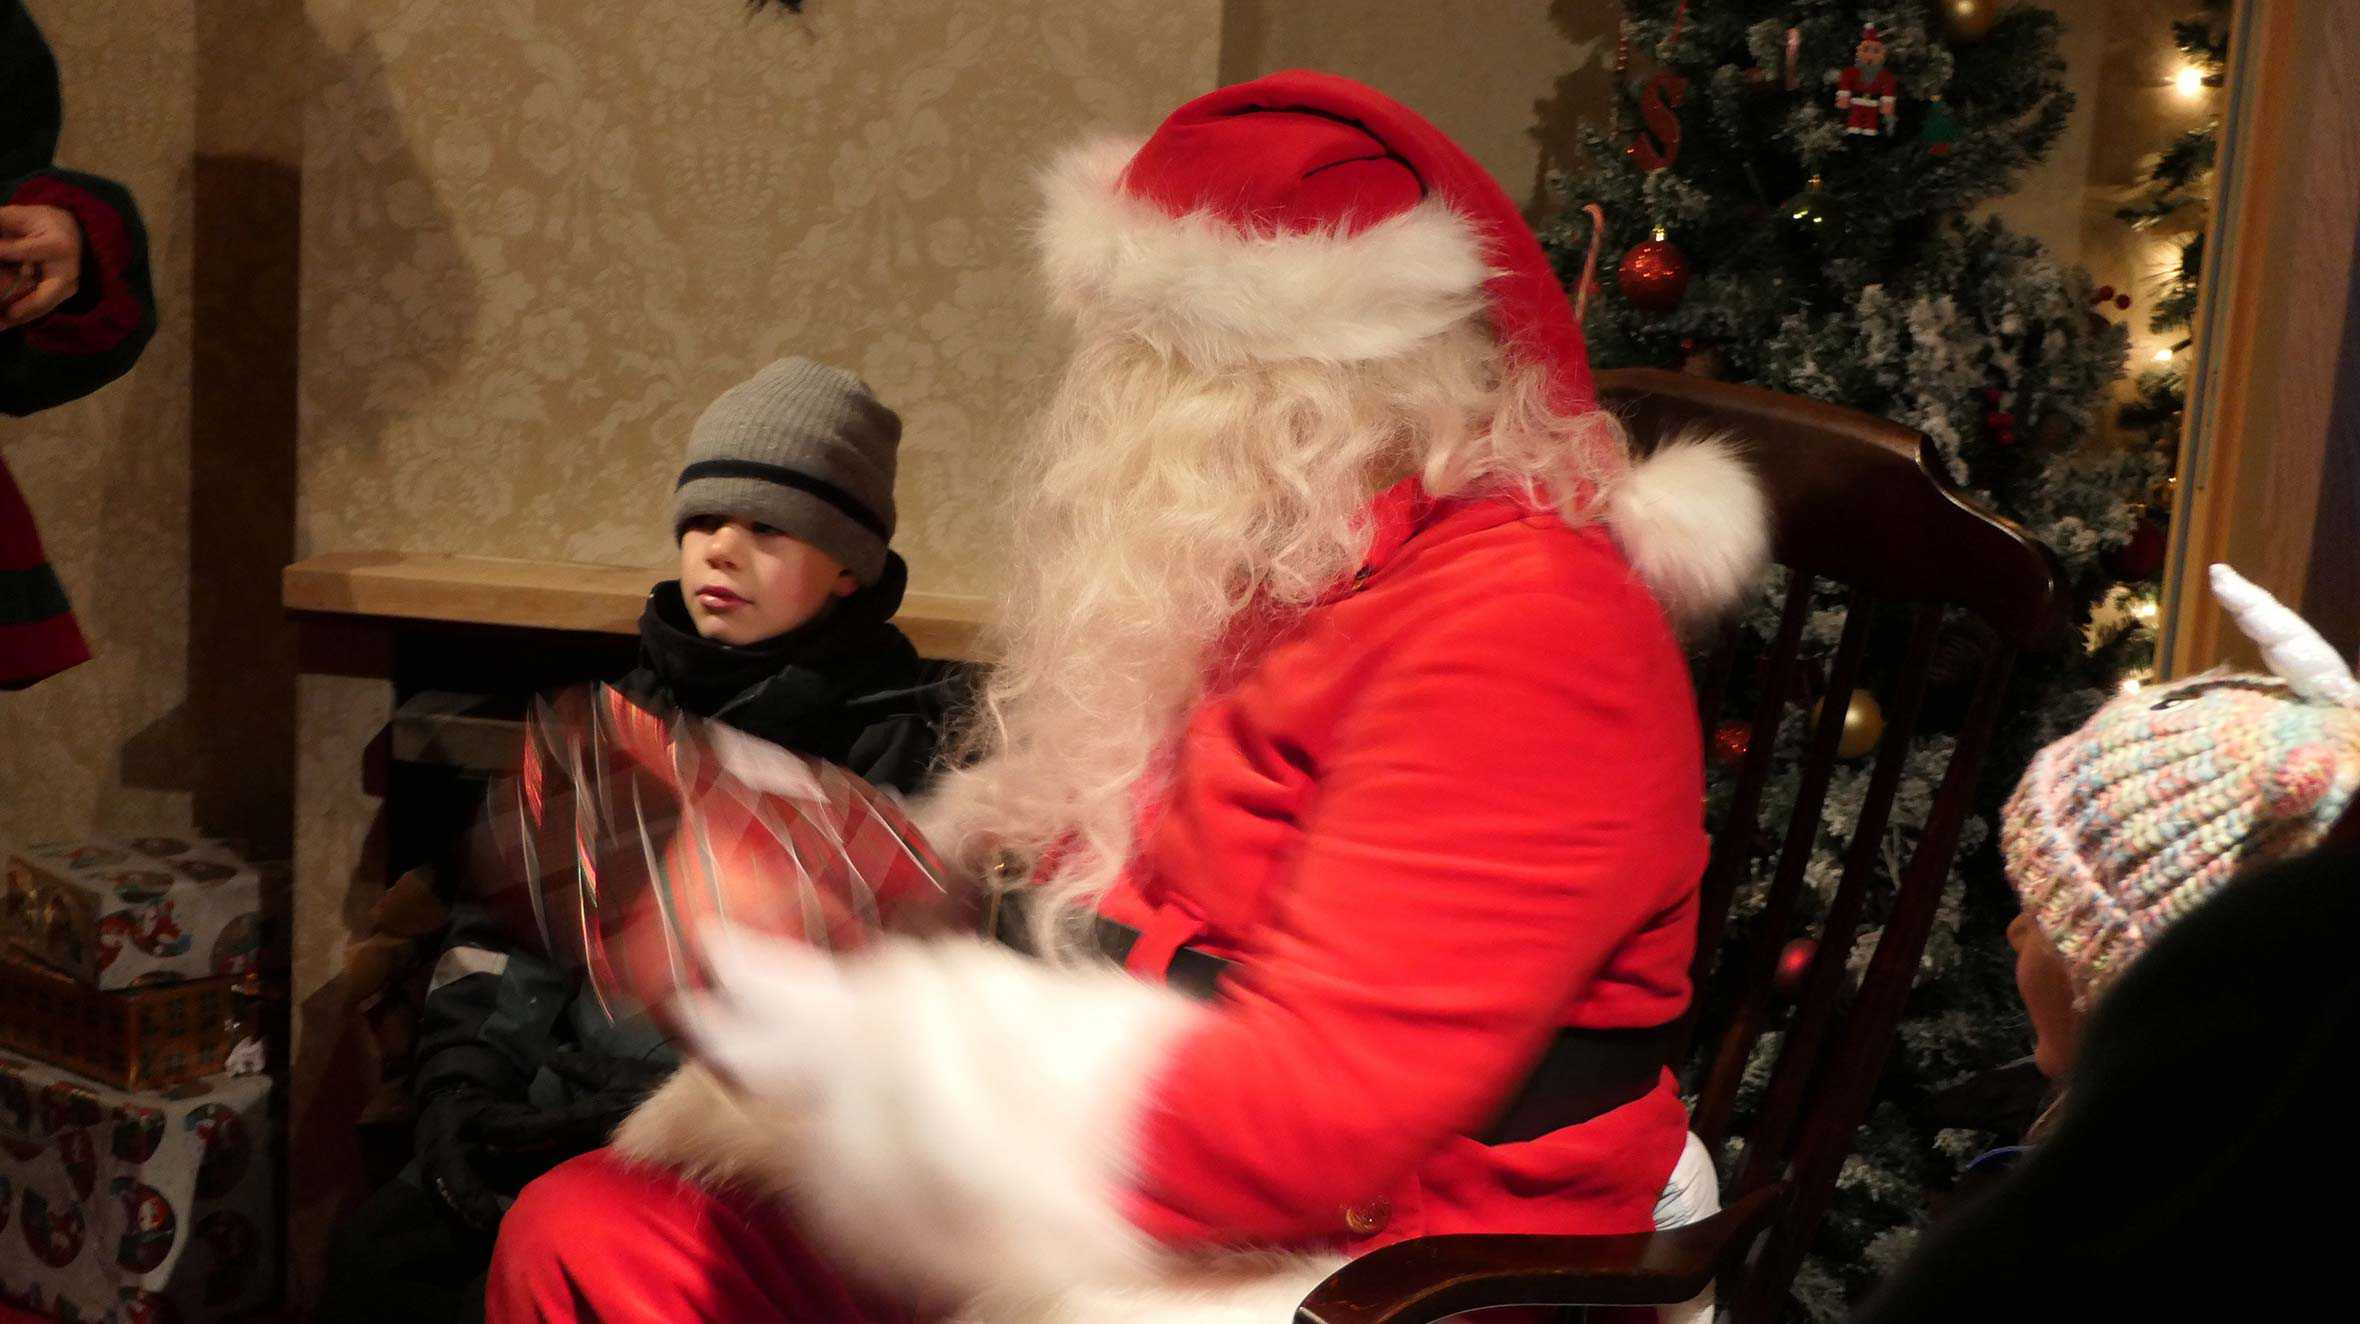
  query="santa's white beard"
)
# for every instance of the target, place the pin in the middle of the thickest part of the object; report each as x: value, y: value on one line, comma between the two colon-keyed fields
x: 1161, y: 502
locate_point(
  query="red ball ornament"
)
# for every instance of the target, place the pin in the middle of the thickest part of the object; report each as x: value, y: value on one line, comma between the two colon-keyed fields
x: 1653, y: 275
x: 1731, y: 739
x: 2123, y: 301
x: 1794, y: 966
x: 2105, y: 292
x: 2142, y: 557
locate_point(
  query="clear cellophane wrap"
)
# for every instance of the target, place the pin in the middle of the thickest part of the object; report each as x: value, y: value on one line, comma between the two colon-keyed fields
x: 631, y: 839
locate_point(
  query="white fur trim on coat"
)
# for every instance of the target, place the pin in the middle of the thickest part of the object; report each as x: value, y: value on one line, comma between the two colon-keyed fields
x: 952, y: 1120
x: 1197, y: 287
x: 1692, y: 520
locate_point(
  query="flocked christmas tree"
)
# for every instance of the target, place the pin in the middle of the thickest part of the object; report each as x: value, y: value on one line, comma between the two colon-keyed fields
x: 1787, y: 191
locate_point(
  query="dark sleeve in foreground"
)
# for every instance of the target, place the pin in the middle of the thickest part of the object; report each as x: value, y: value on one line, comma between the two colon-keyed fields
x: 2204, y: 1169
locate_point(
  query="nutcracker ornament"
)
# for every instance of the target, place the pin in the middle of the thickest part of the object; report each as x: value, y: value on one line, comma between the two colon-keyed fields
x: 1867, y: 93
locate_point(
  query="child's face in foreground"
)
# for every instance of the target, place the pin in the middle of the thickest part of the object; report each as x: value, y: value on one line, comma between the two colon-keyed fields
x: 746, y: 582
x: 2047, y: 988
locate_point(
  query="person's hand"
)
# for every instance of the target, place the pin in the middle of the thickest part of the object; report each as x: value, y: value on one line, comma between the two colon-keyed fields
x: 40, y: 262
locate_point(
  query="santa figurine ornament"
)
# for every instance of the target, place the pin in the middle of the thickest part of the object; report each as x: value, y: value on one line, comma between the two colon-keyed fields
x: 1867, y: 93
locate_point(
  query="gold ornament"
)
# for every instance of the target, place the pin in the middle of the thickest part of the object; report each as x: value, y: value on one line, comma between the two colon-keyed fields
x: 1864, y: 725
x: 1965, y: 22
x: 1810, y: 210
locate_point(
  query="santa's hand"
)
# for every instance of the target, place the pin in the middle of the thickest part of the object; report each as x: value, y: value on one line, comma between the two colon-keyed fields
x: 774, y: 1015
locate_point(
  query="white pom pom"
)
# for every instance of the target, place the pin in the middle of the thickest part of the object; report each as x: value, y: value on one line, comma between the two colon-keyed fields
x: 1692, y: 519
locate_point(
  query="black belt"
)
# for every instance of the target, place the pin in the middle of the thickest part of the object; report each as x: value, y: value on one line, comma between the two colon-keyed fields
x: 1582, y: 1074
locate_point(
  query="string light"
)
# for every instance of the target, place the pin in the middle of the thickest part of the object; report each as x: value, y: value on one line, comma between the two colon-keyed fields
x: 2188, y: 82
x: 2163, y: 356
x: 2132, y: 684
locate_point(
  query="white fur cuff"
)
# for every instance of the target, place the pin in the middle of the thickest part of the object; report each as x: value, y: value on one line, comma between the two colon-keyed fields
x: 950, y: 1119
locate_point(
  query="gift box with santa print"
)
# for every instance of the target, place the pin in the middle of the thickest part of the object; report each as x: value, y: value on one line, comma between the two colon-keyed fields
x: 151, y: 1206
x: 113, y: 913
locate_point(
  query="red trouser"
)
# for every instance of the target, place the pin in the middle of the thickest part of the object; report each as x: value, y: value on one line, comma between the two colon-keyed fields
x: 600, y: 1241
x: 596, y: 1239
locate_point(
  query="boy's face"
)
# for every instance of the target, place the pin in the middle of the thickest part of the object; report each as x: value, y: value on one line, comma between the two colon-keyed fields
x: 746, y: 582
x: 2047, y: 987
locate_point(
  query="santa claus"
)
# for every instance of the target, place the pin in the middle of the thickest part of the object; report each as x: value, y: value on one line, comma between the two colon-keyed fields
x: 1341, y: 763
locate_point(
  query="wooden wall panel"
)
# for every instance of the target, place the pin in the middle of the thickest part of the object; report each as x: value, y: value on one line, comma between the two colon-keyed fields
x: 2257, y: 487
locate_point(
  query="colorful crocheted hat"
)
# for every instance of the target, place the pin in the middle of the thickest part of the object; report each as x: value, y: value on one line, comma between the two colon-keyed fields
x: 2135, y: 819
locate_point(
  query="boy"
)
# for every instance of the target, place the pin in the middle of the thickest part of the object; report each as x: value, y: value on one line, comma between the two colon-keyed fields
x: 779, y: 625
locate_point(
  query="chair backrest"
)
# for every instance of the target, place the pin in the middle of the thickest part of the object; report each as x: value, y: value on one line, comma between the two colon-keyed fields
x: 1859, y: 509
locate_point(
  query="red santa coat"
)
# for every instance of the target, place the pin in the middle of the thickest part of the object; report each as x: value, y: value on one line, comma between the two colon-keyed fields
x: 1456, y: 807
x: 1445, y: 811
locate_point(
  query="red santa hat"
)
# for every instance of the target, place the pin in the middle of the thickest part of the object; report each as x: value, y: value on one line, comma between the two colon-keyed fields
x: 1306, y: 216
x: 1303, y: 215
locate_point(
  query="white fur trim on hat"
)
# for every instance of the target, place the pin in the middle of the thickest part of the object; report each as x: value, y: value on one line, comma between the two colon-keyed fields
x: 1198, y: 287
x: 951, y: 1119
x: 1692, y: 520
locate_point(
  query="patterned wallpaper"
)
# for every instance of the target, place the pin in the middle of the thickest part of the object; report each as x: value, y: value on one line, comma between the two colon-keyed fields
x: 539, y: 236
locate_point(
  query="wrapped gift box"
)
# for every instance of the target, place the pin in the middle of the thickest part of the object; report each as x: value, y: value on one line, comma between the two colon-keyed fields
x: 123, y: 912
x: 139, y: 1207
x: 136, y: 1038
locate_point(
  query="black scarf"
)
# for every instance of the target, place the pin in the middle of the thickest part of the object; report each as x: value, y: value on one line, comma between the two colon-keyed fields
x: 816, y: 689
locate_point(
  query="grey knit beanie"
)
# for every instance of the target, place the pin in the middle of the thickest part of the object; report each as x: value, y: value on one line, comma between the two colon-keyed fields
x: 804, y: 448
